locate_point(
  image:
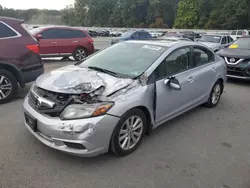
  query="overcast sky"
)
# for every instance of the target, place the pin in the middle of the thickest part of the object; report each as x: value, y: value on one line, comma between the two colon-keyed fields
x: 40, y: 4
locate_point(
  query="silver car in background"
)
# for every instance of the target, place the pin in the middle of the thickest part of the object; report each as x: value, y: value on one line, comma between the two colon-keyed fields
x: 216, y: 42
x: 110, y: 100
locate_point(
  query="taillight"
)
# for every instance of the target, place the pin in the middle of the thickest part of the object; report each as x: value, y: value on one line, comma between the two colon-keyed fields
x: 90, y: 40
x: 34, y: 48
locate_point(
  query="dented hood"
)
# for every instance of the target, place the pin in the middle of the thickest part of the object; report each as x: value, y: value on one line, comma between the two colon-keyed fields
x: 77, y: 80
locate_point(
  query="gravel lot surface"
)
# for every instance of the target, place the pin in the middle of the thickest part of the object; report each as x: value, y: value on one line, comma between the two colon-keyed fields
x: 205, y: 148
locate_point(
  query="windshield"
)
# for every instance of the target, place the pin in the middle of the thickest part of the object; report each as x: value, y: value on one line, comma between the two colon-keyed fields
x: 127, y: 34
x: 233, y: 32
x: 241, y: 43
x: 129, y: 59
x: 210, y: 38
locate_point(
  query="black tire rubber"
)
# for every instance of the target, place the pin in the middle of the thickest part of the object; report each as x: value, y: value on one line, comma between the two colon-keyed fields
x: 14, y: 84
x: 114, y: 143
x: 74, y: 53
x: 209, y: 103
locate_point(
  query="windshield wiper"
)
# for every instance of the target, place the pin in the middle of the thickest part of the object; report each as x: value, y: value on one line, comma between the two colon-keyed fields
x: 105, y: 71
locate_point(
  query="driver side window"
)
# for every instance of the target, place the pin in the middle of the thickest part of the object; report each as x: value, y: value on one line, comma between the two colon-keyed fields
x: 224, y: 40
x: 176, y: 62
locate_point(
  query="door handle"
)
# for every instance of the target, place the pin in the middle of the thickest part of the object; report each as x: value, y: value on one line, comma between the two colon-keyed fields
x: 214, y: 69
x: 54, y: 42
x: 191, y: 79
x: 75, y: 41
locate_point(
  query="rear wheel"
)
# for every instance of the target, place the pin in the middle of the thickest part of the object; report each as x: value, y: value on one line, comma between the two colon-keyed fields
x: 128, y: 132
x: 8, y: 86
x: 215, y: 95
x: 80, y: 54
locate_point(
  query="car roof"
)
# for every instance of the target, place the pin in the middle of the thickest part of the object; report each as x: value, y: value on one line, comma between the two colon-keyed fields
x: 215, y: 34
x: 57, y: 27
x: 10, y: 20
x: 164, y: 43
x: 245, y: 36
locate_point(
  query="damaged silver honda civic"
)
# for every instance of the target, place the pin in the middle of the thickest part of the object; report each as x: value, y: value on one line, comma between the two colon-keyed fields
x: 111, y: 99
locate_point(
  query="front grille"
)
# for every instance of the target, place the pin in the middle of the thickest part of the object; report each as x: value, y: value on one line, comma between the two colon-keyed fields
x: 60, y: 101
x: 235, y: 59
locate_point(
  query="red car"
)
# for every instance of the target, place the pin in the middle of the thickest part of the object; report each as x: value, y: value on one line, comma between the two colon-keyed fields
x: 57, y: 41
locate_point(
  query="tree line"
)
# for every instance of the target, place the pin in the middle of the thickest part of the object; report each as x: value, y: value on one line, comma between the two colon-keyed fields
x: 185, y: 14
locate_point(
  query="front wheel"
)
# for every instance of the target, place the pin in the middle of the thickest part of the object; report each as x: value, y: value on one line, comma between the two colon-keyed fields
x: 128, y: 132
x: 80, y: 54
x: 215, y: 95
x: 8, y: 86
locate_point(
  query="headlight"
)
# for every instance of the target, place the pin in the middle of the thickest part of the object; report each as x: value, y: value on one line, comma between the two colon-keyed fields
x: 80, y: 111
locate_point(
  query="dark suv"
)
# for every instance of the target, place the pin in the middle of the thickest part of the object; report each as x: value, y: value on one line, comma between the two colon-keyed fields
x: 20, y: 62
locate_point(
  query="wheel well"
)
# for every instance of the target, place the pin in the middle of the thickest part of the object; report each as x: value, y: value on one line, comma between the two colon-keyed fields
x: 148, y: 116
x: 222, y: 83
x: 13, y: 71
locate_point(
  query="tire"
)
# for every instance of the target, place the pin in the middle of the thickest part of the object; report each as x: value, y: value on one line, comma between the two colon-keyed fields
x: 215, y: 95
x: 9, y: 81
x: 77, y: 54
x: 133, y: 137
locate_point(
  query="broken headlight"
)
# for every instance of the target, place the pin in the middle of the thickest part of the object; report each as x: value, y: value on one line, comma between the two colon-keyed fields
x: 80, y: 111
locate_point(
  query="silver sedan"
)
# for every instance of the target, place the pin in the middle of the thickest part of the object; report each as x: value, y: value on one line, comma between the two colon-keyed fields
x: 109, y: 101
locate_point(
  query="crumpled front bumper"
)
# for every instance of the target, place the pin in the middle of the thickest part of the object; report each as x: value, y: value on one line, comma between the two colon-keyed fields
x: 93, y: 134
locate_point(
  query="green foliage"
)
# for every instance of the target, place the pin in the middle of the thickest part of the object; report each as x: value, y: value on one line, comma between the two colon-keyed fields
x: 185, y: 14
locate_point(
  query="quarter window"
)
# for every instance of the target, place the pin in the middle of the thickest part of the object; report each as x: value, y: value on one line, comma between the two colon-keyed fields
x: 6, y: 32
x: 201, y: 56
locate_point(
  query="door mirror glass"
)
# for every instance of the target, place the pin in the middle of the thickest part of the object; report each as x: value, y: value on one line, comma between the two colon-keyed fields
x: 173, y: 83
x: 39, y: 37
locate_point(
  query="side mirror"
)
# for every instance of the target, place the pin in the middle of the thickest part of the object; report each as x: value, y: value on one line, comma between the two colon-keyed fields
x: 39, y: 37
x: 173, y: 83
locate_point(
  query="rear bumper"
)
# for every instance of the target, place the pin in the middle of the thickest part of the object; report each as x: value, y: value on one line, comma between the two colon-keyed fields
x: 32, y: 75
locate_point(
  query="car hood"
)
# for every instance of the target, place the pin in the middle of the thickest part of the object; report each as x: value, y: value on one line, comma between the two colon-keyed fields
x: 236, y: 53
x: 77, y: 80
x: 210, y: 44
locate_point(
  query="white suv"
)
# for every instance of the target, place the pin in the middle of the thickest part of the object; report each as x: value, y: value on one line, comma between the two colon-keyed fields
x: 239, y: 33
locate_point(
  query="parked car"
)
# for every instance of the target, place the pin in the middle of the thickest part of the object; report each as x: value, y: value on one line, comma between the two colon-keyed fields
x: 110, y: 100
x: 156, y: 34
x: 173, y: 38
x: 216, y: 42
x: 132, y: 35
x: 57, y: 41
x: 239, y: 33
x: 190, y: 35
x: 20, y: 62
x: 237, y: 58
x: 92, y: 33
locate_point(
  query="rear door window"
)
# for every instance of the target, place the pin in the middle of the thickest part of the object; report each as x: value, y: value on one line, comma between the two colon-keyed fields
x: 240, y: 32
x: 52, y: 34
x: 6, y: 31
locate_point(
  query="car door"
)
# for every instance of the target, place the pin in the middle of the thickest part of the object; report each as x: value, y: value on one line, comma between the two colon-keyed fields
x: 204, y: 72
x: 67, y: 42
x: 49, y: 42
x: 169, y: 102
x: 135, y: 36
x: 224, y: 42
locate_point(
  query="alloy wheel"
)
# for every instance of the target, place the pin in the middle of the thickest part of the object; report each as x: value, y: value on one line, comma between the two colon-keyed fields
x: 5, y: 87
x: 80, y: 54
x: 216, y: 94
x: 131, y: 133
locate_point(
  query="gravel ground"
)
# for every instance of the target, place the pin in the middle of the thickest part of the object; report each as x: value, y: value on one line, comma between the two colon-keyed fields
x: 205, y: 148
